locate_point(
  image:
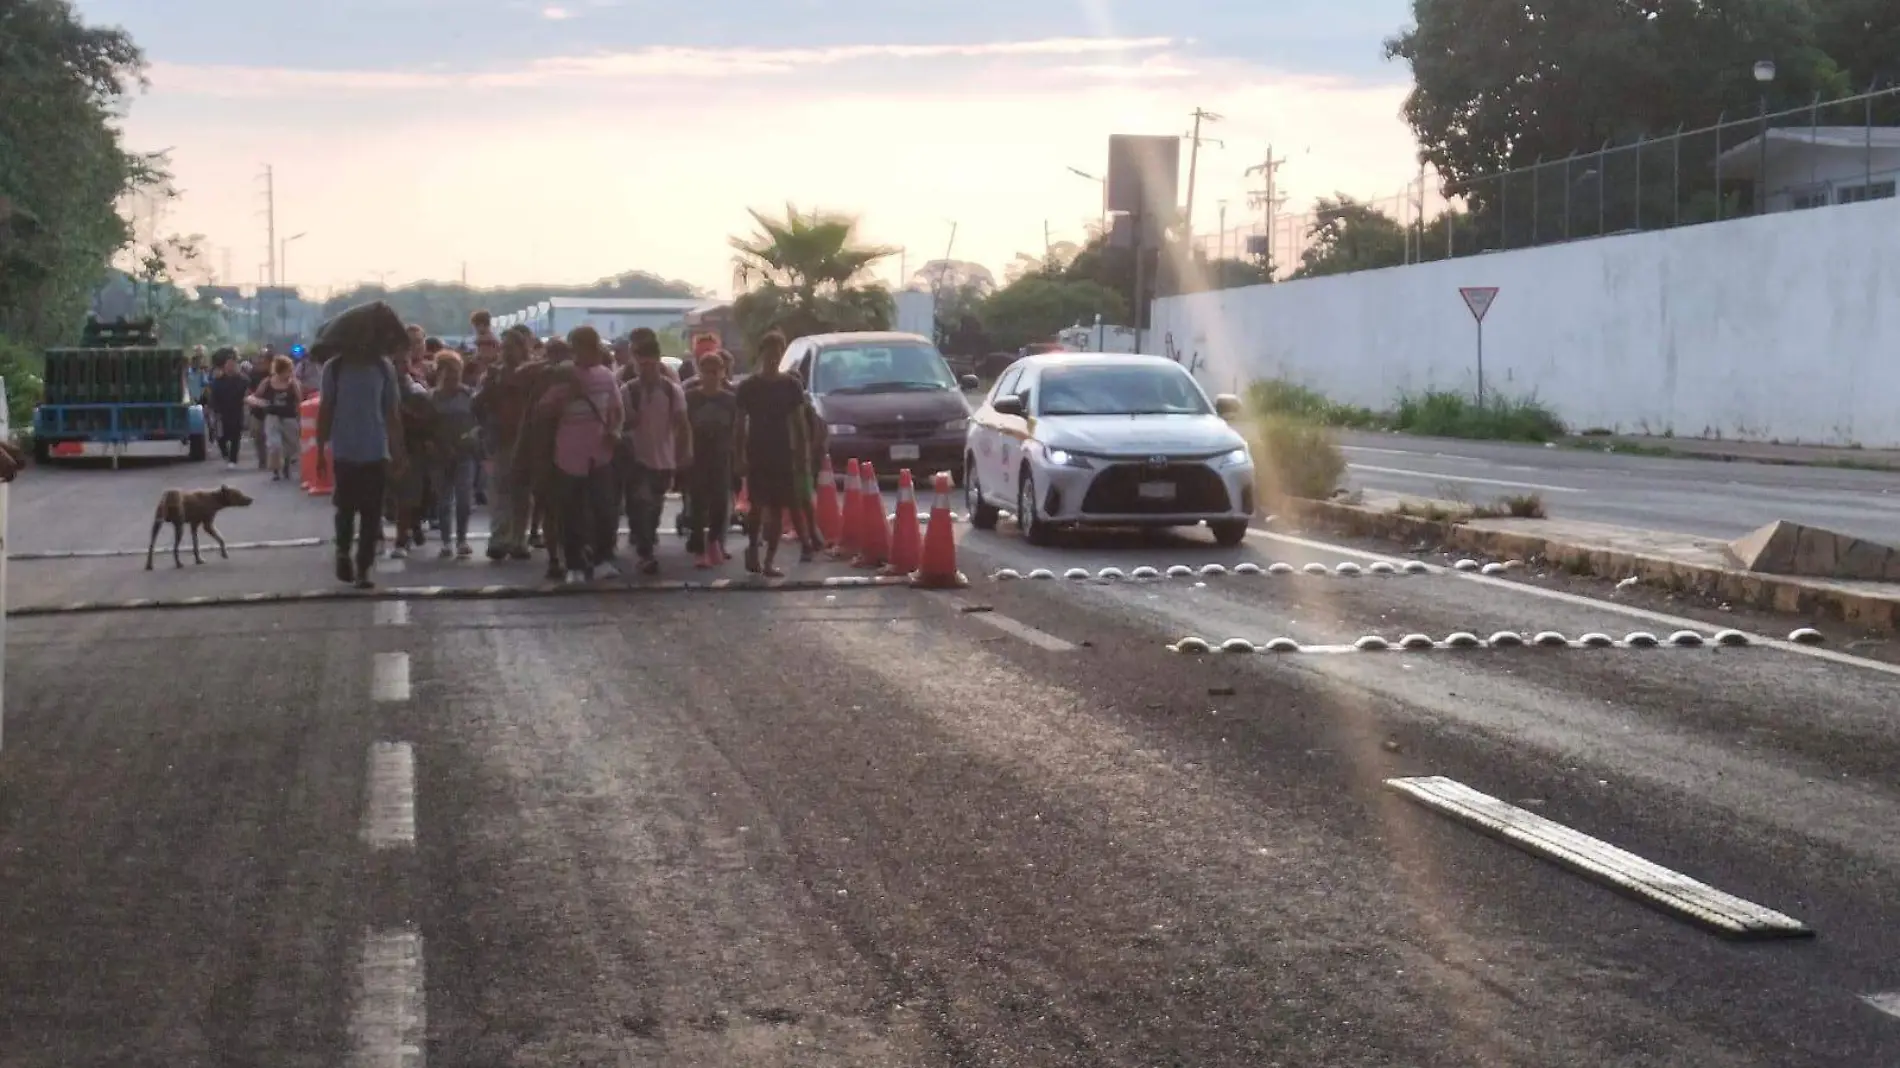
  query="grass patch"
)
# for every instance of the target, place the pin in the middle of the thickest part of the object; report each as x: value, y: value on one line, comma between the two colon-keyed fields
x: 1294, y: 457
x: 1433, y: 413
x: 1279, y: 397
x: 1445, y: 414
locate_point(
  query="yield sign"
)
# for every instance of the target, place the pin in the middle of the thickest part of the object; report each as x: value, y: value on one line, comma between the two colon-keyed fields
x: 1478, y: 299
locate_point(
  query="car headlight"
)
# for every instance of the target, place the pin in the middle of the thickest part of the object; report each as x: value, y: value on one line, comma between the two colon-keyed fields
x: 840, y: 429
x: 1065, y: 458
x: 956, y: 424
x: 1239, y: 457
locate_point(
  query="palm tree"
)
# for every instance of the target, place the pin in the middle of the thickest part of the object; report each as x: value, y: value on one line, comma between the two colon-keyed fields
x: 807, y: 265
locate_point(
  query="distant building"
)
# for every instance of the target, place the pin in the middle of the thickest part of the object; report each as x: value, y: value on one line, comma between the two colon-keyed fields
x: 1813, y: 167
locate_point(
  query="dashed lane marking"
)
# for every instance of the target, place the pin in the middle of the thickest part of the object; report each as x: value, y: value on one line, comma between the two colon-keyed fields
x: 1441, y: 476
x: 392, y: 613
x: 1041, y: 639
x: 389, y: 817
x: 1504, y: 639
x: 389, y: 677
x: 1887, y: 1003
x: 496, y: 592
x: 1803, y: 641
x: 388, y: 1025
x: 1650, y: 883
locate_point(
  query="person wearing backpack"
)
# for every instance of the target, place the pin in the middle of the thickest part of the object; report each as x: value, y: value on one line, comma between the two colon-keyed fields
x: 587, y: 405
x: 658, y: 444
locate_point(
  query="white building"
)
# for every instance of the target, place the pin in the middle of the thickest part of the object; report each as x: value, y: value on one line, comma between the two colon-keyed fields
x: 614, y: 317
x: 1811, y: 167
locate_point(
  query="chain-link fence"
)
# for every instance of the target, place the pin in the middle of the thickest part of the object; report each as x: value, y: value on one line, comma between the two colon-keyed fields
x: 1825, y: 152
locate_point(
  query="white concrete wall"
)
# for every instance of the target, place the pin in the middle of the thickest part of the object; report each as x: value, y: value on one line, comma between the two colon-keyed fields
x: 1779, y: 327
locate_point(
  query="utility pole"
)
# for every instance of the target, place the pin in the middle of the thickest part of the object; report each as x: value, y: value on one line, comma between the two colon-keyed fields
x: 270, y: 233
x: 1267, y: 198
x: 1221, y: 254
x: 1048, y: 243
x: 1194, y: 162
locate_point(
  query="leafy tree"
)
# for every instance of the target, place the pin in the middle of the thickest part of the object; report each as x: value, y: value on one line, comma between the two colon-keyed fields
x: 1034, y: 307
x: 960, y: 288
x: 62, y: 167
x: 1501, y: 84
x: 807, y: 273
x: 444, y: 307
x: 1347, y: 235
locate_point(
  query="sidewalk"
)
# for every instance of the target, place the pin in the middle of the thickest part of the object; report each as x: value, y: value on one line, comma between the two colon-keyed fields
x: 1678, y: 562
x: 1759, y: 452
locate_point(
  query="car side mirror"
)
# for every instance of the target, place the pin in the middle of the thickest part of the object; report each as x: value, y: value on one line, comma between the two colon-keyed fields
x: 970, y: 383
x: 1227, y: 405
x: 1011, y: 406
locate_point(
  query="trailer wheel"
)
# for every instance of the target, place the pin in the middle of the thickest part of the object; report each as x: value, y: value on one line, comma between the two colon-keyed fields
x: 197, y: 448
x: 42, y: 450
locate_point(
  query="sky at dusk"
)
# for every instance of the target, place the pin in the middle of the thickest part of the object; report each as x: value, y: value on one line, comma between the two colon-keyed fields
x: 538, y: 142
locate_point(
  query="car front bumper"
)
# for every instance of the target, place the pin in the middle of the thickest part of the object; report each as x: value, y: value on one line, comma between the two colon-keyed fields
x: 1122, y: 494
x: 943, y: 453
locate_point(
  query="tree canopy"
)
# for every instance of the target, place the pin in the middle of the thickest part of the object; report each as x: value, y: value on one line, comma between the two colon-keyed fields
x: 444, y: 307
x: 806, y: 274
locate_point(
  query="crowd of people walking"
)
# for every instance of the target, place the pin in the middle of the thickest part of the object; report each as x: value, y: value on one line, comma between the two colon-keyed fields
x: 559, y: 438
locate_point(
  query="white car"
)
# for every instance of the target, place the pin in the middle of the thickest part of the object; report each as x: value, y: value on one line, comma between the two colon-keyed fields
x: 1068, y: 439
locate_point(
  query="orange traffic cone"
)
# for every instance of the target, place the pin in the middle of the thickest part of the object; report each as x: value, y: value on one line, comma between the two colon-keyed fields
x: 906, y: 535
x: 830, y: 519
x: 938, y: 571
x: 851, y: 519
x: 874, y: 545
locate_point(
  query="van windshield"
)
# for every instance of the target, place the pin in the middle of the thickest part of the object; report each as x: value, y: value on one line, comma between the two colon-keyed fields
x: 892, y: 367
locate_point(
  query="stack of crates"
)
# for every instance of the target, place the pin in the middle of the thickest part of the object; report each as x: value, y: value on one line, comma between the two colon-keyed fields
x: 117, y: 364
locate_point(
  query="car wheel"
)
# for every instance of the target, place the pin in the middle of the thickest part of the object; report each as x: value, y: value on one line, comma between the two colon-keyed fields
x: 983, y: 515
x: 1229, y: 532
x: 1035, y: 531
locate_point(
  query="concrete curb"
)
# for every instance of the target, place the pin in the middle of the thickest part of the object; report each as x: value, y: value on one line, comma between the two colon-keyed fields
x: 1773, y: 593
x: 463, y: 593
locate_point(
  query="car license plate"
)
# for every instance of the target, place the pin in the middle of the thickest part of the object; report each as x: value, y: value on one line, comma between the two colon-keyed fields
x: 905, y: 452
x: 1157, y: 491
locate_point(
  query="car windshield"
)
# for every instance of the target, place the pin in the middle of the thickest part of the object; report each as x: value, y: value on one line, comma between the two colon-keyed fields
x: 891, y: 367
x: 1109, y: 390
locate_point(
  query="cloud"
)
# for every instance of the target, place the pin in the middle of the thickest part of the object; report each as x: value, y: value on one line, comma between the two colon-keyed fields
x: 666, y: 63
x: 556, y: 14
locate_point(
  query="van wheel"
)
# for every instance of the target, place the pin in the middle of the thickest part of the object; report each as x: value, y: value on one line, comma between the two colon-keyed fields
x: 197, y: 448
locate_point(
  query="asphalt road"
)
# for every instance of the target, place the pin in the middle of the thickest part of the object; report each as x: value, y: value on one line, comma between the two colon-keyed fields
x: 1001, y: 826
x: 1704, y: 497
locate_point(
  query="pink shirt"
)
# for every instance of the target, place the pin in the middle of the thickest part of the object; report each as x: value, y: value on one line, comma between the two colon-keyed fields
x: 581, y: 441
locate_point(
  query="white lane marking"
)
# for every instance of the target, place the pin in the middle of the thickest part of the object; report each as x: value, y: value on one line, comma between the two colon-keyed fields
x: 1887, y: 1003
x: 1580, y: 601
x: 1596, y: 859
x: 1444, y: 477
x: 392, y: 613
x: 1041, y: 639
x: 388, y: 1023
x: 389, y: 817
x: 389, y: 677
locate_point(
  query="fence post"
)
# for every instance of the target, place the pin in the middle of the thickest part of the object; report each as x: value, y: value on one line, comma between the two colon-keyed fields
x: 1567, y: 160
x: 1537, y: 201
x: 1603, y: 182
x: 6, y: 433
x: 1721, y: 202
x: 1870, y: 133
x: 1675, y: 174
x: 1639, y: 182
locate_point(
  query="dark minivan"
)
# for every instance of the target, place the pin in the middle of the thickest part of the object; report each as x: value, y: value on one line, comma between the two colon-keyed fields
x: 887, y: 398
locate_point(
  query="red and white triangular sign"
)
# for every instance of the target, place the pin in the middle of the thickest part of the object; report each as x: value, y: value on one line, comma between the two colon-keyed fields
x: 1478, y: 299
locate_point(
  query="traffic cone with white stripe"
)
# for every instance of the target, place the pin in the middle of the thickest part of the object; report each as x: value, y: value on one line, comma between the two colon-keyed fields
x: 852, y: 517
x: 906, y: 536
x: 938, y: 570
x: 830, y: 519
x: 874, y: 544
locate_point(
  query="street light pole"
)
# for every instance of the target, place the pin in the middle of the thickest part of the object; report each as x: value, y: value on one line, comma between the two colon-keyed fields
x: 1764, y: 76
x: 283, y: 268
x: 1103, y: 182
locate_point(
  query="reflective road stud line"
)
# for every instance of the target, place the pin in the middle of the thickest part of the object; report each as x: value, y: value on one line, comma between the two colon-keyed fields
x: 388, y: 1023
x: 389, y: 818
x: 1650, y: 883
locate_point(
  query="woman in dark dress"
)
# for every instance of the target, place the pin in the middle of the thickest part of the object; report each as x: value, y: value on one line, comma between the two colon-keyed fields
x: 769, y: 402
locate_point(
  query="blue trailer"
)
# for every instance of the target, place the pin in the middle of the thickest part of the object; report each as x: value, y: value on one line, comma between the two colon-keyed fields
x: 118, y: 394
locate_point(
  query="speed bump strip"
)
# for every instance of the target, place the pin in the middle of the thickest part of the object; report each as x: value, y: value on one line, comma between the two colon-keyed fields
x: 1504, y: 639
x: 462, y: 593
x: 1183, y: 571
x: 1650, y: 883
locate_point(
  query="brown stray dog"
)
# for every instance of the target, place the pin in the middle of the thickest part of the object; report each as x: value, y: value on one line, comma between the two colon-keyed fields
x: 198, y: 508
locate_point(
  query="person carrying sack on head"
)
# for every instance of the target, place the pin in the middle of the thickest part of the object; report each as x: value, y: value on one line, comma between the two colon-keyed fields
x: 658, y: 444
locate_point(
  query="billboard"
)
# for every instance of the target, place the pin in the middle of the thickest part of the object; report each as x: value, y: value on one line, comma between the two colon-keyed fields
x: 1144, y: 177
